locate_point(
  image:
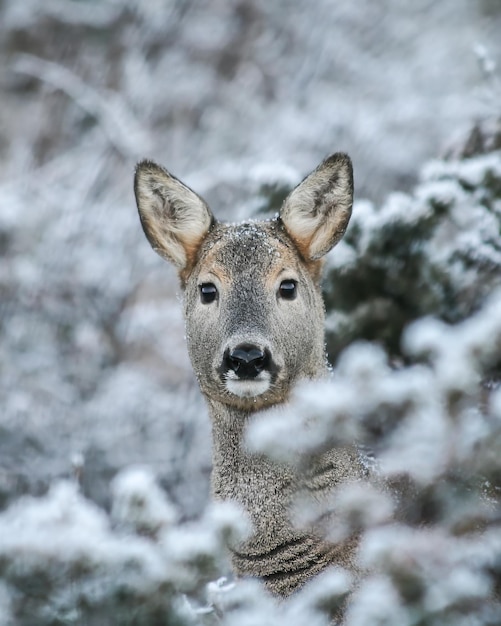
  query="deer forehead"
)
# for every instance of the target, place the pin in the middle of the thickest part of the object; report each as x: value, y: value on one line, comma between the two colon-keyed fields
x: 257, y: 251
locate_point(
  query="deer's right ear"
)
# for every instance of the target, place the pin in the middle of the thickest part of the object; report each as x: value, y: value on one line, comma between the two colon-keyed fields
x: 174, y: 218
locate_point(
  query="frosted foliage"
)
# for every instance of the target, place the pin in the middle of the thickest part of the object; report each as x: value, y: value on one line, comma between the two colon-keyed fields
x: 377, y: 602
x: 418, y: 417
x: 245, y: 603
x: 138, y: 501
x: 434, y: 252
x: 441, y: 571
x: 63, y: 560
x: 430, y: 436
x: 104, y: 440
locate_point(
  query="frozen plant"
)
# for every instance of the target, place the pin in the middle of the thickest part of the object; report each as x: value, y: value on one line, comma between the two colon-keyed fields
x: 90, y: 349
x: 435, y: 252
x: 64, y: 561
x: 429, y: 522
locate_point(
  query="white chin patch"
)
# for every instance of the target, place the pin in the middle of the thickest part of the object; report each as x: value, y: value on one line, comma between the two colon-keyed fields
x: 248, y: 388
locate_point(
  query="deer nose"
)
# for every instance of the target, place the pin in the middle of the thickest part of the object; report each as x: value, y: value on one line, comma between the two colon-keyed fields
x: 247, y: 360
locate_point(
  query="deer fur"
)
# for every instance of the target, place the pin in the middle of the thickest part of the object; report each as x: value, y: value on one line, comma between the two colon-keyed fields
x: 255, y: 327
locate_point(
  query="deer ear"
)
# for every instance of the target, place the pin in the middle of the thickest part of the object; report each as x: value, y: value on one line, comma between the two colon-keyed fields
x: 174, y: 218
x: 316, y: 213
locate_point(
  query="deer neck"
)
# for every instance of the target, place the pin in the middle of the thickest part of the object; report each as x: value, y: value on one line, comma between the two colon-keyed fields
x: 252, y: 480
x: 230, y: 450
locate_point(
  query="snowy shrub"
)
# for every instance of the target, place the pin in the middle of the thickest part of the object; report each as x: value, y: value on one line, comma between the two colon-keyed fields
x: 64, y: 561
x: 434, y: 252
x: 429, y: 524
x: 242, y: 97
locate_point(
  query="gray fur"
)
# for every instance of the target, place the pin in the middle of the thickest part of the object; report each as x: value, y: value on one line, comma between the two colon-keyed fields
x: 247, y: 263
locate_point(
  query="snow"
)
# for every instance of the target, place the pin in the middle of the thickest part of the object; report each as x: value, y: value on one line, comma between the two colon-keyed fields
x: 104, y: 439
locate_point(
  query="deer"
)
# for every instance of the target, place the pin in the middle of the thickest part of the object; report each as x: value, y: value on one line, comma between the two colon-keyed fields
x: 254, y: 317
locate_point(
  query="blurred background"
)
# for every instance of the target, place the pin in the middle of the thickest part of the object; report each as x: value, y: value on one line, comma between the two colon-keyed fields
x: 240, y: 99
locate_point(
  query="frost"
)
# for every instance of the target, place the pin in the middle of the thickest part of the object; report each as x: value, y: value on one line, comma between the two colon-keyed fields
x: 427, y: 565
x: 240, y: 99
x: 62, y: 551
x: 138, y: 503
x: 444, y: 240
x: 48, y: 546
x: 436, y: 444
x: 377, y: 602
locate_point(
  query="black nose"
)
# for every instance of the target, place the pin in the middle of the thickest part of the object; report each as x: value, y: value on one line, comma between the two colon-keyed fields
x: 247, y: 360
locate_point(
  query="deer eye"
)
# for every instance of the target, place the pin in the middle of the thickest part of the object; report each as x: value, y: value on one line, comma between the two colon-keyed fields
x: 208, y: 293
x: 288, y: 289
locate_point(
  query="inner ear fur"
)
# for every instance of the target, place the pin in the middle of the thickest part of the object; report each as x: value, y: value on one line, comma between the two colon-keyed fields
x: 316, y: 213
x: 174, y: 218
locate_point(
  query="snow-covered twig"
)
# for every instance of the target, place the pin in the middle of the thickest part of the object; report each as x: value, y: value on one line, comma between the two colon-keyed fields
x: 109, y: 110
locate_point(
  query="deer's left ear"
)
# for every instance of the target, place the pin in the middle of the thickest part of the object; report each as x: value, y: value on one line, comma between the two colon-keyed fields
x: 316, y: 213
